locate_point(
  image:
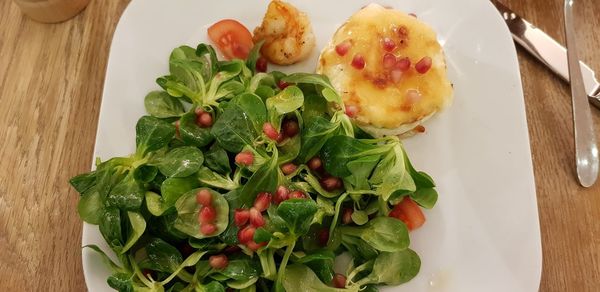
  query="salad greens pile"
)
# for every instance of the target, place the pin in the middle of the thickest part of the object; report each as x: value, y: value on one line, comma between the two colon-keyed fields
x: 216, y: 203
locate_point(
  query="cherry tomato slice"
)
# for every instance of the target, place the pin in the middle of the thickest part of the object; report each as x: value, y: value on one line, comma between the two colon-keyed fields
x: 232, y: 38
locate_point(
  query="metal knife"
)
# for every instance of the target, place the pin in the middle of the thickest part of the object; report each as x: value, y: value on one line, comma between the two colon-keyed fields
x: 547, y: 50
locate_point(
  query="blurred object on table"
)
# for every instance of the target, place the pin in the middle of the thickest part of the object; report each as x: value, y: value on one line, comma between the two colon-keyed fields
x: 51, y: 11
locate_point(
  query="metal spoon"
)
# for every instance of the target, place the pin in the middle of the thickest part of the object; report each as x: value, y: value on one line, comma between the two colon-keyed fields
x: 586, y: 150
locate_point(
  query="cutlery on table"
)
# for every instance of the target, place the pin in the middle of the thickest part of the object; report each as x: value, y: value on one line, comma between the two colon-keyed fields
x: 547, y: 50
x: 566, y: 64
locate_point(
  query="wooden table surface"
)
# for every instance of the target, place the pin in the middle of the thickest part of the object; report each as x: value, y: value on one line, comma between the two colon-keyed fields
x: 51, y: 78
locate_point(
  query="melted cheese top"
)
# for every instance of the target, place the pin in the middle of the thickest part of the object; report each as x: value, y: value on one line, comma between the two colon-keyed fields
x: 382, y: 100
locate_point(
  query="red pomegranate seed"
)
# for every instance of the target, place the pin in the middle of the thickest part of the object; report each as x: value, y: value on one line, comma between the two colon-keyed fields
x: 419, y: 129
x: 204, y: 197
x: 204, y: 120
x: 423, y: 65
x: 330, y: 183
x: 323, y: 236
x: 218, y: 262
x: 245, y: 158
x: 338, y: 281
x: 255, y: 246
x: 315, y: 163
x: 412, y: 96
x: 297, y: 195
x: 208, y: 228
x: 396, y: 75
x: 343, y: 47
x: 282, y: 84
x: 290, y: 128
x: 262, y: 201
x: 207, y: 214
x: 281, y: 195
x: 261, y: 64
x: 270, y: 131
x: 389, y: 60
x: 256, y: 218
x: 351, y: 110
x: 247, y: 234
x: 231, y: 249
x: 241, y: 216
x: 186, y: 249
x: 288, y: 168
x: 403, y: 64
x: 388, y: 44
x: 199, y: 111
x: 347, y: 215
x: 358, y: 62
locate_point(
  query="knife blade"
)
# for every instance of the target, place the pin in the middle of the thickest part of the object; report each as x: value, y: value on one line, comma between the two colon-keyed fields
x: 547, y: 50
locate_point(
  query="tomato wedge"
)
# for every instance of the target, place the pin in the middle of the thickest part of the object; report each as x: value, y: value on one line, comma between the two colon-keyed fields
x: 232, y: 38
x: 409, y: 212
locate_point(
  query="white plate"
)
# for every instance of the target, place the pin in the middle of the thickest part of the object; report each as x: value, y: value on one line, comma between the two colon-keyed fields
x: 483, y: 235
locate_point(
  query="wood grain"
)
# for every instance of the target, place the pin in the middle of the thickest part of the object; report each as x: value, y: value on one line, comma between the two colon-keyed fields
x: 51, y: 79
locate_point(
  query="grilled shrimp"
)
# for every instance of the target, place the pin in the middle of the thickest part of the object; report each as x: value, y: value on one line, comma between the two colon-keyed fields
x: 287, y: 34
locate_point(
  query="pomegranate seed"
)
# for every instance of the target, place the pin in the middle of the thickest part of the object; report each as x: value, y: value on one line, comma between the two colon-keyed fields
x: 256, y: 218
x: 245, y: 158
x: 255, y: 246
x: 419, y: 129
x: 413, y: 15
x: 297, y: 195
x: 262, y: 201
x: 282, y: 84
x: 423, y: 65
x: 323, y: 236
x: 315, y: 163
x: 208, y: 228
x: 231, y: 249
x: 343, y: 48
x: 290, y: 128
x: 270, y: 131
x: 338, y: 281
x: 347, y: 215
x: 388, y: 44
x: 412, y: 96
x: 261, y: 64
x: 204, y: 120
x: 218, y: 262
x: 240, y: 216
x: 207, y: 214
x: 247, y: 234
x: 199, y: 111
x: 396, y: 75
x: 403, y: 64
x: 351, y: 110
x: 186, y: 249
x: 358, y: 62
x: 288, y: 168
x: 204, y: 197
x: 177, y: 129
x: 389, y: 60
x: 281, y: 195
x: 330, y: 183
